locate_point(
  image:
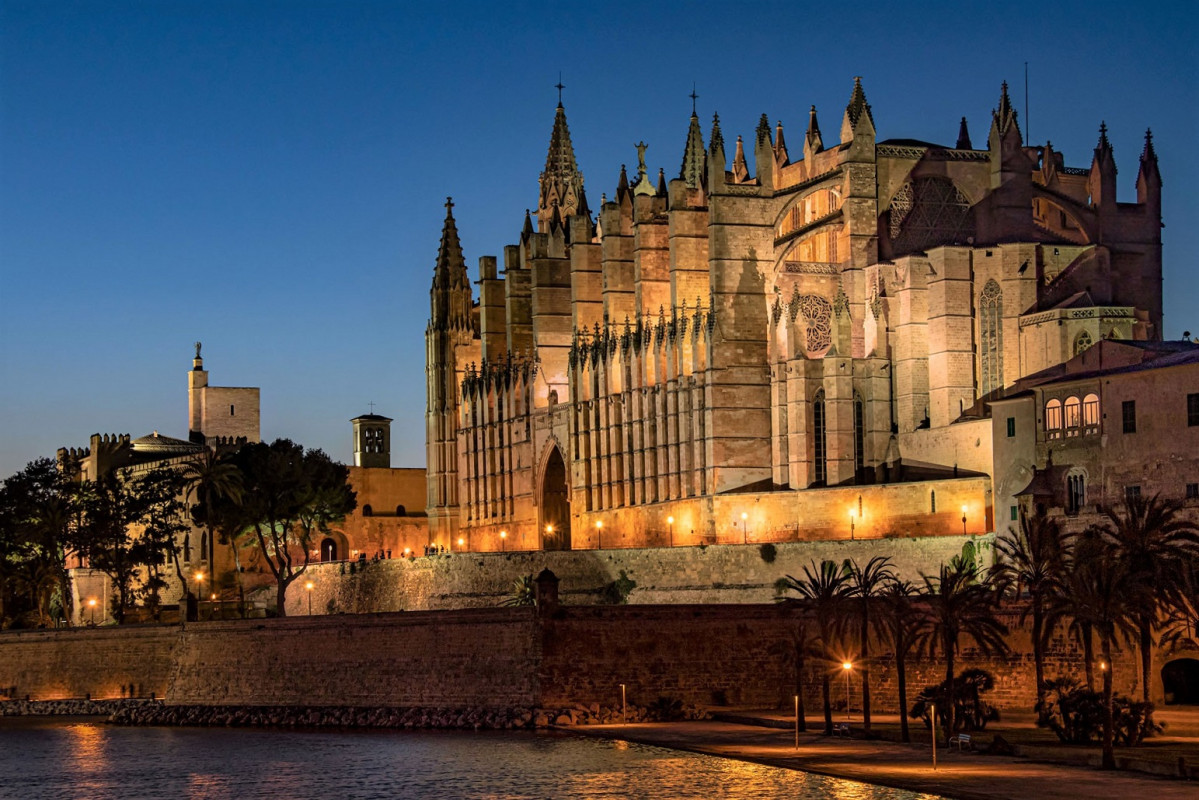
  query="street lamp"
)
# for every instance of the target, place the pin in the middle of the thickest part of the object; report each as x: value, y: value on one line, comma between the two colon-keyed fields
x: 199, y: 591
x: 670, y: 522
x: 963, y: 520
x: 599, y: 530
x: 503, y: 539
x: 853, y: 518
x: 309, y: 586
x: 549, y: 532
x: 92, y: 604
x: 847, y: 667
x: 461, y: 542
x: 744, y: 528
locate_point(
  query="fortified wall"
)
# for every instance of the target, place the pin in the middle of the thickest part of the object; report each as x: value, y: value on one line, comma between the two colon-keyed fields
x: 665, y: 575
x: 492, y: 658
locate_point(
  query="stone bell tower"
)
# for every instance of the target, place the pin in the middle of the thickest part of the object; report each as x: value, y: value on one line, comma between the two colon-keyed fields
x: 372, y: 441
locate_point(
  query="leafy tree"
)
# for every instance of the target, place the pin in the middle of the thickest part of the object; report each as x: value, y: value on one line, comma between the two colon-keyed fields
x: 958, y: 606
x: 37, y: 511
x: 289, y: 495
x: 865, y: 585
x: 959, y: 700
x: 162, y: 523
x: 1155, y: 543
x: 822, y: 592
x: 1031, y: 564
x: 901, y: 620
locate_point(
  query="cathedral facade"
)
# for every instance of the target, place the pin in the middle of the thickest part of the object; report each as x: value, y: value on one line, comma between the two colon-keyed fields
x: 801, y: 351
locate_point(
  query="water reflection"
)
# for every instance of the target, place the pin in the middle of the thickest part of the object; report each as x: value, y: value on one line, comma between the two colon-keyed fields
x: 43, y: 759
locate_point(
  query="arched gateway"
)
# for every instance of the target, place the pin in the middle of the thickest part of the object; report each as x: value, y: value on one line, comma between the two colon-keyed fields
x: 555, y: 503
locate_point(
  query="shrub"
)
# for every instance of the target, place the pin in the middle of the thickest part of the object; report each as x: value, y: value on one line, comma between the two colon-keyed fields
x: 617, y: 592
x: 666, y: 709
x: 971, y: 711
x: 1075, y: 715
x: 768, y: 552
x: 524, y: 592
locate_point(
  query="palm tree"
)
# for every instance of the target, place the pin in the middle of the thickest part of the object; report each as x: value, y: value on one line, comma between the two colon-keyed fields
x: 900, y: 621
x: 959, y: 605
x: 214, y: 481
x: 1154, y: 543
x: 1105, y: 593
x: 865, y: 584
x: 822, y: 592
x: 1031, y: 563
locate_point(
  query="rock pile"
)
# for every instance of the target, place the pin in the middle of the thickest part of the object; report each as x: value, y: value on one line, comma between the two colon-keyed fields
x: 77, y: 707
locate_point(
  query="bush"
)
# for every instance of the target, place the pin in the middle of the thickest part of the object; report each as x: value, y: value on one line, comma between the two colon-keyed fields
x: 617, y: 592
x: 768, y: 552
x: 1075, y: 715
x: 971, y: 712
x: 666, y: 709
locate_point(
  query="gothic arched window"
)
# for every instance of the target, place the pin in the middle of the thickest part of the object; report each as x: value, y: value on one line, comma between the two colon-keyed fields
x: 1073, y: 409
x: 1090, y: 413
x: 1076, y: 492
x: 990, y: 322
x: 927, y: 212
x: 819, y: 452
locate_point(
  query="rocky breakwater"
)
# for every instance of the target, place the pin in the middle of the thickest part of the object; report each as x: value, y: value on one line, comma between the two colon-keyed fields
x: 73, y: 707
x: 394, y: 718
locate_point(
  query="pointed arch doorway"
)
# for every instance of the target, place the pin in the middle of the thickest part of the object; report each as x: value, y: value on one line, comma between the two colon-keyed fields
x: 555, y: 503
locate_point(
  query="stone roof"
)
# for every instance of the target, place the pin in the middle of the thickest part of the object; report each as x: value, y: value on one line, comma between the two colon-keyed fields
x: 157, y: 445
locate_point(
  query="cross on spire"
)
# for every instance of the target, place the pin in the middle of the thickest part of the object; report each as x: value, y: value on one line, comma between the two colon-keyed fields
x: 693, y: 97
x: 372, y: 405
x: 559, y: 86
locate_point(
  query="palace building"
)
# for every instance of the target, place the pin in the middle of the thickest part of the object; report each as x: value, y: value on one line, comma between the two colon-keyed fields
x: 801, y: 349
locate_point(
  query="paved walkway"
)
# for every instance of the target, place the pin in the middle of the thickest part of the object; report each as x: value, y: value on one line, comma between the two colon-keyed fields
x: 968, y: 776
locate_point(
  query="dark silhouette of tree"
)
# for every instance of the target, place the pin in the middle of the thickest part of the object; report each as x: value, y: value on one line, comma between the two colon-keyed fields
x: 822, y: 593
x: 864, y: 586
x: 215, y: 483
x: 958, y: 606
x: 163, y: 522
x: 1030, y: 566
x: 901, y: 620
x: 37, y: 515
x: 1155, y: 543
x: 288, y: 496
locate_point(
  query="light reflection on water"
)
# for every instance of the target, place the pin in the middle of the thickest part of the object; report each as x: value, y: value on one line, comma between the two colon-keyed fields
x: 92, y: 761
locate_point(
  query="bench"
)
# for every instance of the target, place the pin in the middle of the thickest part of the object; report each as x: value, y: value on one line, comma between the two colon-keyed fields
x: 962, y: 740
x: 841, y: 729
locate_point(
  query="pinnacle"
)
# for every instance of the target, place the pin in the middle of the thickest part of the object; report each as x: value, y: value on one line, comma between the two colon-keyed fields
x: 716, y: 141
x: 1148, y: 154
x: 964, y: 136
x: 692, y: 171
x: 1103, y: 141
x: 857, y: 104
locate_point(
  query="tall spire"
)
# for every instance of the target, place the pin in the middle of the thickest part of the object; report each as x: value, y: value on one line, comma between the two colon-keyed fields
x: 716, y: 140
x: 561, y: 182
x: 812, y: 140
x: 857, y: 104
x: 1148, y: 153
x: 964, y: 137
x: 1005, y: 115
x: 740, y: 168
x: 450, y: 295
x: 694, y: 160
x: 780, y: 147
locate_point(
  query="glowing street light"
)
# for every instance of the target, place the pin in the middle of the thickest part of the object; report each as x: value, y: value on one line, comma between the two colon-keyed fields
x: 744, y: 528
x: 503, y: 539
x: 599, y: 530
x: 853, y: 518
x: 963, y: 520
x: 92, y: 604
x: 847, y: 668
x: 461, y: 542
x: 670, y: 522
x: 309, y: 586
x: 199, y: 590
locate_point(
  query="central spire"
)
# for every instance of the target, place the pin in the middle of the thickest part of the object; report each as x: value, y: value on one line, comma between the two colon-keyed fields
x: 561, y: 182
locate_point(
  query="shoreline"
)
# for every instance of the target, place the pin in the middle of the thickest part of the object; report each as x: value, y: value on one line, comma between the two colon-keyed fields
x: 967, y: 776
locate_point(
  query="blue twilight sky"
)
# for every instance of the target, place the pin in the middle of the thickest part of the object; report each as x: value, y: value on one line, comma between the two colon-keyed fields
x: 269, y: 177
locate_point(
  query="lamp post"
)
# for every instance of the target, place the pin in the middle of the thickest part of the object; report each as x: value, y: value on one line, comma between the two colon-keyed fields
x: 847, y: 667
x: 853, y: 518
x: 461, y: 542
x: 599, y: 530
x: 670, y: 522
x: 92, y: 604
x: 309, y: 586
x: 744, y: 528
x: 503, y: 540
x: 199, y: 592
x: 963, y: 520
x: 549, y: 531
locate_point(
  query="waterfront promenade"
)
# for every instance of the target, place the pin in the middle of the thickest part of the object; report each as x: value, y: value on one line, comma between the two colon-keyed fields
x: 970, y: 776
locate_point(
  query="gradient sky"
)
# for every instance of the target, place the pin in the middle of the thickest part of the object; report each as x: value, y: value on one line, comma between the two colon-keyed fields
x: 269, y: 177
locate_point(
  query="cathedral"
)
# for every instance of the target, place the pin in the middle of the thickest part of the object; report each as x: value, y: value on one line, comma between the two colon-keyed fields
x: 798, y: 349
